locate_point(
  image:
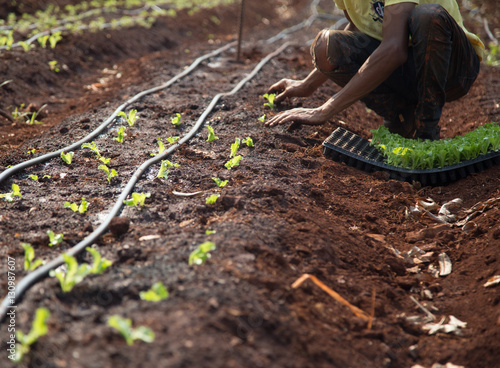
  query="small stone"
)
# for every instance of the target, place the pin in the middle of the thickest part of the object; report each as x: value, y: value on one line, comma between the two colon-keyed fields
x: 119, y: 225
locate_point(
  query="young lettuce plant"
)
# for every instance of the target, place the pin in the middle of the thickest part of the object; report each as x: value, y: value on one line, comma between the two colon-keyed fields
x: 220, y: 183
x: 176, y: 119
x: 54, y: 239
x: 201, y: 254
x: 161, y: 147
x: 38, y: 329
x: 110, y: 174
x: 210, y: 232
x: 234, y: 147
x: 67, y: 157
x: 262, y: 118
x: 212, y: 199
x: 270, y: 100
x: 130, y: 118
x: 248, y: 141
x: 9, y: 197
x: 82, y: 208
x: 211, y: 135
x: 121, y: 130
x: 235, y: 161
x: 138, y: 199
x: 172, y: 139
x: 73, y: 275
x: 92, y: 146
x: 124, y: 326
x: 30, y: 263
x: 99, y: 264
x: 157, y: 293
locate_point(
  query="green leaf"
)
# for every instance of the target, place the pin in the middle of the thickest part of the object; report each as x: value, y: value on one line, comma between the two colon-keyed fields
x: 157, y: 293
x: 54, y: 238
x: 176, y: 120
x: 110, y: 174
x: 262, y: 118
x: 124, y: 326
x: 211, y: 135
x: 29, y: 258
x: 249, y: 142
x: 73, y: 275
x: 212, y: 199
x: 235, y: 161
x: 220, y: 183
x: 201, y: 254
x: 38, y: 329
x: 99, y: 264
x: 172, y: 139
x: 138, y: 199
x: 105, y: 160
x: 210, y: 232
x: 235, y: 146
x: 270, y: 100
x: 93, y: 147
x: 67, y: 157
x: 34, y: 177
x: 73, y: 206
x: 120, y: 132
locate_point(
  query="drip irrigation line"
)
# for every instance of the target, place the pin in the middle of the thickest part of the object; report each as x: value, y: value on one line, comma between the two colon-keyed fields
x: 9, y: 172
x: 44, y: 270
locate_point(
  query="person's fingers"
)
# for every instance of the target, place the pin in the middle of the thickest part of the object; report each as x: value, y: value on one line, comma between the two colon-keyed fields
x: 279, y: 98
x: 277, y: 87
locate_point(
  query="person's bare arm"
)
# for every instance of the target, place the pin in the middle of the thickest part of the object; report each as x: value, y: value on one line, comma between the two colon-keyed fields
x: 391, y: 53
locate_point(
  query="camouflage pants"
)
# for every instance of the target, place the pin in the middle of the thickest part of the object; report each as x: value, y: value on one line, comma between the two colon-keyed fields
x: 441, y: 66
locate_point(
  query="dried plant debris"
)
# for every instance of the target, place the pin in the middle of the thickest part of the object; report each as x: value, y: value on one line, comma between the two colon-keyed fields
x: 445, y: 265
x: 438, y: 365
x: 492, y: 281
x: 453, y: 326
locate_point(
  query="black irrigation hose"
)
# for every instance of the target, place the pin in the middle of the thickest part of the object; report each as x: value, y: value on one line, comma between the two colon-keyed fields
x: 44, y: 270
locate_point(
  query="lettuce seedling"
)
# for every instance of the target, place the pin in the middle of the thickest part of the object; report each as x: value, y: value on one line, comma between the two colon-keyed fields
x: 93, y: 147
x: 124, y: 326
x: 172, y: 139
x: 67, y: 157
x: 270, y: 100
x: 176, y: 120
x: 235, y: 146
x: 54, y: 66
x: 210, y: 232
x: 30, y: 263
x: 130, y: 118
x: 26, y: 46
x: 42, y: 40
x: 9, y: 197
x: 211, y: 135
x: 34, y: 177
x: 105, y: 160
x: 54, y: 238
x: 200, y: 254
x: 157, y: 293
x: 74, y: 274
x: 161, y: 147
x: 235, y: 161
x: 248, y: 141
x: 99, y: 264
x: 138, y: 199
x: 163, y: 173
x: 220, y: 183
x: 119, y: 139
x: 110, y: 174
x: 262, y: 118
x: 212, y: 199
x: 54, y: 39
x: 82, y: 208
x: 38, y: 329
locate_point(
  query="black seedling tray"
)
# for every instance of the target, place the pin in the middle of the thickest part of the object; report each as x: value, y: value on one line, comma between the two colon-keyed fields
x: 355, y: 151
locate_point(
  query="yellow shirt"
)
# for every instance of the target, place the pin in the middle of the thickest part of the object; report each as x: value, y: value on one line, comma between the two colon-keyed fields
x: 367, y: 16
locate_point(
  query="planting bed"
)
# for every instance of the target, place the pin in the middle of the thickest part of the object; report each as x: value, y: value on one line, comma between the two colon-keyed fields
x: 286, y: 210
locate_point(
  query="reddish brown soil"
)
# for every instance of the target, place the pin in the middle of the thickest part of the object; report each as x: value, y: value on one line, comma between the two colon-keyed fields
x: 286, y: 211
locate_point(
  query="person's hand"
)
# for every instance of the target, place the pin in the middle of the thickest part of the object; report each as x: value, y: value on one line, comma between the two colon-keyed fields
x: 299, y: 116
x: 287, y: 88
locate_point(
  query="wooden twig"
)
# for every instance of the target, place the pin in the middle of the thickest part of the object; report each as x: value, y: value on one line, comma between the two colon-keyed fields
x: 240, y: 30
x: 357, y: 312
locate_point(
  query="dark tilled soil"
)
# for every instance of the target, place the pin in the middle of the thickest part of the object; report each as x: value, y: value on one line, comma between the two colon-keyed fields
x: 286, y: 211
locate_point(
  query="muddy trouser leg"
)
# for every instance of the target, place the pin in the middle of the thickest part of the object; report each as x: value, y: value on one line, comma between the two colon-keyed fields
x: 395, y: 98
x: 446, y: 64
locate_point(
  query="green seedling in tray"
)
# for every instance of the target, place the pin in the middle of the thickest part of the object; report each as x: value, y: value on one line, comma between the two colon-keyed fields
x: 82, y: 208
x: 235, y: 161
x: 38, y: 329
x: 176, y: 119
x: 426, y: 154
x: 157, y: 293
x: 138, y: 199
x: 109, y: 173
x: 212, y: 199
x: 67, y: 157
x: 16, y: 192
x: 220, y: 183
x: 201, y: 254
x: 93, y: 147
x: 124, y: 326
x: 121, y: 130
x: 234, y: 147
x: 270, y: 100
x: 30, y: 263
x: 54, y: 239
x: 130, y: 118
x: 211, y: 135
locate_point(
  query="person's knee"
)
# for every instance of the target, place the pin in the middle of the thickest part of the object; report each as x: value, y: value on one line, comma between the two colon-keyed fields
x: 319, y: 51
x: 425, y: 14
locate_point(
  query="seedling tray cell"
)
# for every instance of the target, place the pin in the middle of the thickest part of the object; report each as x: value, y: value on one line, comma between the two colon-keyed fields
x: 355, y: 151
